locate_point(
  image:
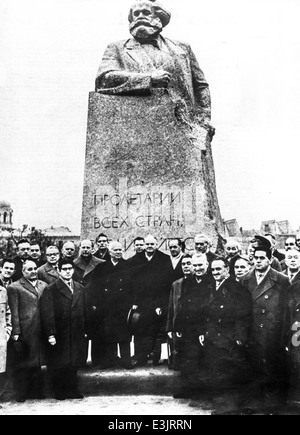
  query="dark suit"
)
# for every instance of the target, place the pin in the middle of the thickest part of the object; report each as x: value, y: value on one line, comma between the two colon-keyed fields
x: 48, y: 273
x: 152, y: 289
x: 268, y: 334
x: 84, y: 271
x: 64, y: 317
x: 127, y: 66
x: 110, y: 299
x: 24, y: 301
x: 190, y: 314
x: 5, y: 284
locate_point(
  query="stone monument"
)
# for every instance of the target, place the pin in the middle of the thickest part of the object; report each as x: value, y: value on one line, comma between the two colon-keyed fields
x: 149, y: 165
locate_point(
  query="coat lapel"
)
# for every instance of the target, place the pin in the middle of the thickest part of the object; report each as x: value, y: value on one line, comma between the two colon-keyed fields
x: 64, y: 289
x: 77, y: 293
x: 264, y: 286
x: 28, y: 286
x: 135, y: 53
x: 51, y: 271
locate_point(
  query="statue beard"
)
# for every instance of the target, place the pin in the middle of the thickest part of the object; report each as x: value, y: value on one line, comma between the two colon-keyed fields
x: 144, y: 30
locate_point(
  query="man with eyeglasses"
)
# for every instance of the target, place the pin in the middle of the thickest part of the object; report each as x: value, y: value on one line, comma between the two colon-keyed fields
x: 269, y: 290
x: 49, y: 272
x: 65, y: 326
x: 24, y: 298
x: 203, y: 245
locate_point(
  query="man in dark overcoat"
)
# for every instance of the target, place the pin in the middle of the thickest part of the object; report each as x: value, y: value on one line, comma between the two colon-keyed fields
x: 24, y: 300
x: 49, y: 271
x: 86, y: 263
x: 151, y: 298
x: 227, y: 334
x: 110, y: 299
x: 65, y: 328
x: 293, y: 341
x: 189, y: 325
x: 267, y: 348
x: 177, y: 291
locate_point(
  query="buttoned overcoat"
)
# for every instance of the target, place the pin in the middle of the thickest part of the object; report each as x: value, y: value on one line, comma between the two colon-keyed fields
x: 24, y: 301
x: 64, y: 316
x: 5, y: 328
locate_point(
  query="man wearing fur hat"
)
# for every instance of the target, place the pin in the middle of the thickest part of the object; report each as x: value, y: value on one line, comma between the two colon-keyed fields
x: 148, y: 61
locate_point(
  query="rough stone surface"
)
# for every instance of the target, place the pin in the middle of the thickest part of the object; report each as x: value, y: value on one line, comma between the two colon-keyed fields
x: 147, y: 171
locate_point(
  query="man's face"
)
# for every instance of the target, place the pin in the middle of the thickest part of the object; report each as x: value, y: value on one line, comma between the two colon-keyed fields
x: 298, y: 241
x: 8, y: 270
x: 139, y: 246
x: 292, y: 259
x: 35, y: 252
x: 201, y: 245
x: 151, y: 245
x: 30, y: 271
x: 219, y: 270
x: 290, y: 244
x: 24, y: 251
x: 86, y: 248
x: 187, y: 266
x: 174, y: 248
x: 232, y: 250
x: 69, y: 250
x: 145, y: 22
x: 53, y: 256
x: 241, y: 268
x: 200, y: 266
x: 116, y: 252
x: 66, y: 272
x: 261, y: 261
x: 102, y: 243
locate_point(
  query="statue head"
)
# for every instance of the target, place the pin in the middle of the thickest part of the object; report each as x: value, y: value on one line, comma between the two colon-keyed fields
x: 147, y: 19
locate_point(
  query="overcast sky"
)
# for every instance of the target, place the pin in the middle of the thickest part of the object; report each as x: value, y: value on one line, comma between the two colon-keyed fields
x: 50, y: 51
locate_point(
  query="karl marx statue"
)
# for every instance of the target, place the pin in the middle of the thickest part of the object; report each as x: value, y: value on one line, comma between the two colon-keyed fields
x: 149, y: 61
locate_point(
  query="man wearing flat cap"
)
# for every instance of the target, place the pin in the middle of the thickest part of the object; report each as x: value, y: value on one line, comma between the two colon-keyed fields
x: 269, y: 290
x: 149, y: 61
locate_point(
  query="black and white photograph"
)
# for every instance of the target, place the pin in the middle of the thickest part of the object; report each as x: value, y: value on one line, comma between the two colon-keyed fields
x: 149, y: 222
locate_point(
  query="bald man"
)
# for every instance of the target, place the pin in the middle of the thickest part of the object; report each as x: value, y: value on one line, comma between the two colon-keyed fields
x: 86, y: 263
x: 152, y: 290
x: 110, y: 300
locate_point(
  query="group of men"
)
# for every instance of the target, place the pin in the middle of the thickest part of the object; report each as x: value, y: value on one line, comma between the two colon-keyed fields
x: 230, y: 321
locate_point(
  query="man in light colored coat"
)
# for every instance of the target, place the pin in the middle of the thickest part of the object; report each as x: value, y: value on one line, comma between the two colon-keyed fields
x: 24, y: 300
x: 5, y: 332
